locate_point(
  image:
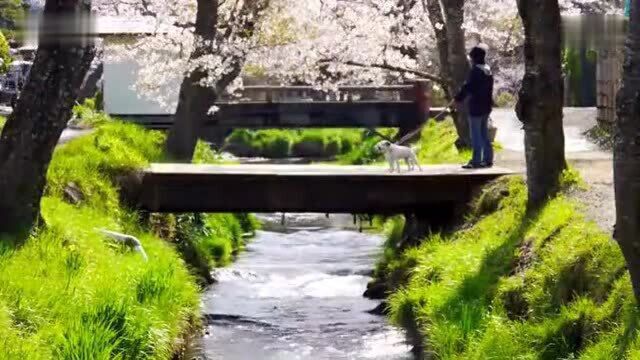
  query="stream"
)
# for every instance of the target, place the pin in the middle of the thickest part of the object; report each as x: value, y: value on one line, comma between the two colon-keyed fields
x: 296, y: 293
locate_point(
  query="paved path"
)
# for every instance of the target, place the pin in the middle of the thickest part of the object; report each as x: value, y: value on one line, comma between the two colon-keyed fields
x: 595, y: 165
x: 70, y: 134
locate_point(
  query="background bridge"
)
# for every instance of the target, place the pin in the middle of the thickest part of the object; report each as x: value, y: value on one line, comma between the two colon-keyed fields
x: 319, y: 189
x: 402, y: 106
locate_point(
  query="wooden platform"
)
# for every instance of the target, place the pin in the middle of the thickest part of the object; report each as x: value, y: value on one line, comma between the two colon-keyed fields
x: 306, y: 188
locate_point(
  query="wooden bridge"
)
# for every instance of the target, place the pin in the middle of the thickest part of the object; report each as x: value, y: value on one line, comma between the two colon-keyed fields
x: 304, y: 188
x: 402, y: 106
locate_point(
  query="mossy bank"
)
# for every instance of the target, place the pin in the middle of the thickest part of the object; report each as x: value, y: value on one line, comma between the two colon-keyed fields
x: 69, y: 292
x: 513, y: 285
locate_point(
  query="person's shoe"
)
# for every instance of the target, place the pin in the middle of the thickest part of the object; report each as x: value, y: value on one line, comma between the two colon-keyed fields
x: 486, y: 165
x: 471, y: 166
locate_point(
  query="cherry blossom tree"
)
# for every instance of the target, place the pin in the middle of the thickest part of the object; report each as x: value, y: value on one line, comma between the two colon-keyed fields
x: 205, y: 42
x: 331, y: 42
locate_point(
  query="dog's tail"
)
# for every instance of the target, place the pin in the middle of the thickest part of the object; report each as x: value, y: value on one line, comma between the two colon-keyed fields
x: 416, y: 148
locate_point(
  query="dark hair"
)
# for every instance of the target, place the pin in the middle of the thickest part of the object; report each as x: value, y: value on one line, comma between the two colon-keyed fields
x: 478, y: 55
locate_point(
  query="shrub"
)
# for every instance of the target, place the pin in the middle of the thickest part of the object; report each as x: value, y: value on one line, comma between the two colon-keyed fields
x: 505, y: 100
x: 5, y: 54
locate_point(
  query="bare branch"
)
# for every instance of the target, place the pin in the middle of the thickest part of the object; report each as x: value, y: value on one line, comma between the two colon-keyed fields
x: 389, y: 67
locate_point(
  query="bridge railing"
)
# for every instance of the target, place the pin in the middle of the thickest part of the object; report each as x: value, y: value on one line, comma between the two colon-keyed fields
x: 388, y: 93
x: 404, y: 106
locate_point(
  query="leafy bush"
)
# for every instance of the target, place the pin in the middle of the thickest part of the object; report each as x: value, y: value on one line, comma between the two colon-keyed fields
x: 86, y: 115
x: 5, y: 54
x: 505, y: 100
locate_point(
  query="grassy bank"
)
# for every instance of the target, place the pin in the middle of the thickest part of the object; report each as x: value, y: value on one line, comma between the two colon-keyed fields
x: 71, y: 293
x: 347, y: 146
x: 509, y: 285
x: 278, y: 143
x: 436, y: 146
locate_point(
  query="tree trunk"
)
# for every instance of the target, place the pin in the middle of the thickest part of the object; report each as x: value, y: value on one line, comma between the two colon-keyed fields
x: 90, y: 85
x: 453, y: 53
x: 540, y: 100
x: 194, y: 100
x: 627, y: 153
x: 32, y: 131
x: 436, y: 18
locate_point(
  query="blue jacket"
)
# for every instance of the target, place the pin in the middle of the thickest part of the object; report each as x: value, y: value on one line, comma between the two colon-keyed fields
x: 479, y: 89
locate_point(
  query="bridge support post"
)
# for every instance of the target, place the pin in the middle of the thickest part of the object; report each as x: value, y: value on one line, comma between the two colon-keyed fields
x: 421, y: 96
x: 419, y: 224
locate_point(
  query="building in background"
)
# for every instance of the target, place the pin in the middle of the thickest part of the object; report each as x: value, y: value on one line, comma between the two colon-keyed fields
x: 594, y: 53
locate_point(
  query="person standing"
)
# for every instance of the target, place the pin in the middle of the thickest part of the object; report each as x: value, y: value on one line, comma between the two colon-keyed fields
x: 478, y: 89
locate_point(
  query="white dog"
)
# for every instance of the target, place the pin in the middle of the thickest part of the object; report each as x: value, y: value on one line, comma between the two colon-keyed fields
x: 394, y: 153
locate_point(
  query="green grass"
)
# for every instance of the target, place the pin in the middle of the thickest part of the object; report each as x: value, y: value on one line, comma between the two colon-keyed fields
x: 70, y: 293
x: 436, y: 146
x: 347, y: 146
x: 86, y: 115
x: 516, y: 286
x: 278, y: 143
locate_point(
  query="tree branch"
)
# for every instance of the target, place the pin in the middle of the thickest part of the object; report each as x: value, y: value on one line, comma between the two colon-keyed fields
x: 399, y: 69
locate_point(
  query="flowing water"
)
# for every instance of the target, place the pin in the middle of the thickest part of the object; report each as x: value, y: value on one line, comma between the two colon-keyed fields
x: 296, y: 293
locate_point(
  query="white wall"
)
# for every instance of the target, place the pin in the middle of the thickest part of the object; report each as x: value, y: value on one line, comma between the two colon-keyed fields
x: 119, y: 96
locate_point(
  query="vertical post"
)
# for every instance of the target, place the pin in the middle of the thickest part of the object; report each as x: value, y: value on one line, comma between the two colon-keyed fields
x: 269, y: 95
x: 421, y: 96
x: 608, y: 79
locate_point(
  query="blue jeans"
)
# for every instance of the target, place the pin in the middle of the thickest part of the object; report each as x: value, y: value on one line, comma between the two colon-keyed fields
x: 482, y: 148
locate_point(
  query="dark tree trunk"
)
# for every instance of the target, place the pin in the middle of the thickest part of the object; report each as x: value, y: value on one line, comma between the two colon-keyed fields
x: 195, y: 100
x: 450, y: 39
x: 32, y: 131
x: 91, y: 81
x: 627, y: 153
x: 436, y: 17
x: 540, y: 100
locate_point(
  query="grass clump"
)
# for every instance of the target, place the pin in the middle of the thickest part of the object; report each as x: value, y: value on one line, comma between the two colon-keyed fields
x: 71, y: 293
x: 278, y: 143
x: 513, y: 285
x: 347, y: 146
x: 435, y: 146
x: 87, y: 115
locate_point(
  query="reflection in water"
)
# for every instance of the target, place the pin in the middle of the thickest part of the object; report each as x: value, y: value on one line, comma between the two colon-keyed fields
x: 298, y: 295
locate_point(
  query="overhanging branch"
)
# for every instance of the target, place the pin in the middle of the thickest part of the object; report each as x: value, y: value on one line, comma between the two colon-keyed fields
x: 399, y: 69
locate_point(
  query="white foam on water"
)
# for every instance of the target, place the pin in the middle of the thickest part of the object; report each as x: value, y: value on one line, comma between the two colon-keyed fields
x: 385, y: 345
x: 227, y: 275
x: 315, y: 285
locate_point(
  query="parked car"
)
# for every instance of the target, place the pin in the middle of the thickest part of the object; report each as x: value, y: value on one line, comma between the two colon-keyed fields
x: 12, y: 82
